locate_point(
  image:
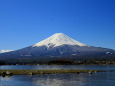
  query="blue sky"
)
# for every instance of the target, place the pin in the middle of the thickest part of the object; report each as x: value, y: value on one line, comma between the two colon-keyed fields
x: 26, y: 22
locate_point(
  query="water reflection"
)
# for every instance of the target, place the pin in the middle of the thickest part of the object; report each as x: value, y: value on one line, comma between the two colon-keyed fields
x: 5, y: 80
x: 82, y: 67
x: 82, y: 79
x: 45, y: 80
x: 59, y: 80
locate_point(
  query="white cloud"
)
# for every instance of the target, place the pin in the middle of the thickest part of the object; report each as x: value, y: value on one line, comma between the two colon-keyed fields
x: 3, y: 51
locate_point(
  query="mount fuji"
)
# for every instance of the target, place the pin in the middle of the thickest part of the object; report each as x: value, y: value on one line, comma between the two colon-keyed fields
x: 60, y: 46
x: 58, y: 39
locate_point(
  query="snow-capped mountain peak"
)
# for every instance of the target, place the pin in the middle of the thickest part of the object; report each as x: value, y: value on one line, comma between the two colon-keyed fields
x: 58, y: 39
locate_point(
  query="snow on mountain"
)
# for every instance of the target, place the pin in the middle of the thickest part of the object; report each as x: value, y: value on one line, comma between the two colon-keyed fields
x: 57, y: 40
x: 59, y: 46
x: 4, y: 51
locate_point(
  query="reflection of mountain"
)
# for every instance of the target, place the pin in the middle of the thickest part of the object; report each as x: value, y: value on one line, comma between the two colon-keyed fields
x: 45, y: 80
x: 6, y: 81
x: 82, y: 79
x: 60, y: 80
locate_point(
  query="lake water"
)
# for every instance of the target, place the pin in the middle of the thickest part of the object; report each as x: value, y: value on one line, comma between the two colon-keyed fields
x: 82, y: 79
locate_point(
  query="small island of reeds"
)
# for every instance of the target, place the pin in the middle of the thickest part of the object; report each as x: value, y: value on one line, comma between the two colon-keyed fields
x: 54, y: 71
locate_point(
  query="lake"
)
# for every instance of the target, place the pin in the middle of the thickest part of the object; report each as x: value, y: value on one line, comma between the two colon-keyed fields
x: 82, y: 79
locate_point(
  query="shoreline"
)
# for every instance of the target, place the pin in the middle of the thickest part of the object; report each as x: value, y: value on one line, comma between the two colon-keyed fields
x: 6, y: 72
x: 58, y: 64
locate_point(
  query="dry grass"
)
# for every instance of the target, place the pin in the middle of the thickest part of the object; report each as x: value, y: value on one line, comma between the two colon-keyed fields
x: 58, y: 71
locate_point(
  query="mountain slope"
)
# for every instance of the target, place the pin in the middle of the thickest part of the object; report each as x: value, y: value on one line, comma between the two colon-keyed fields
x: 58, y: 46
x: 58, y: 39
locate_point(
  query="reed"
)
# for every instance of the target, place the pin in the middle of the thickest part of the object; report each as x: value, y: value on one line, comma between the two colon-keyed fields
x: 56, y: 71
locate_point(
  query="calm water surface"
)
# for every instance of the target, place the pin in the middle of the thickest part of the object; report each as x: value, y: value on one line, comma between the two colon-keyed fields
x: 82, y: 67
x: 82, y: 79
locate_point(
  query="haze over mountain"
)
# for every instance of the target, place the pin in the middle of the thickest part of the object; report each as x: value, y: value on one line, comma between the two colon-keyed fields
x: 60, y: 46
